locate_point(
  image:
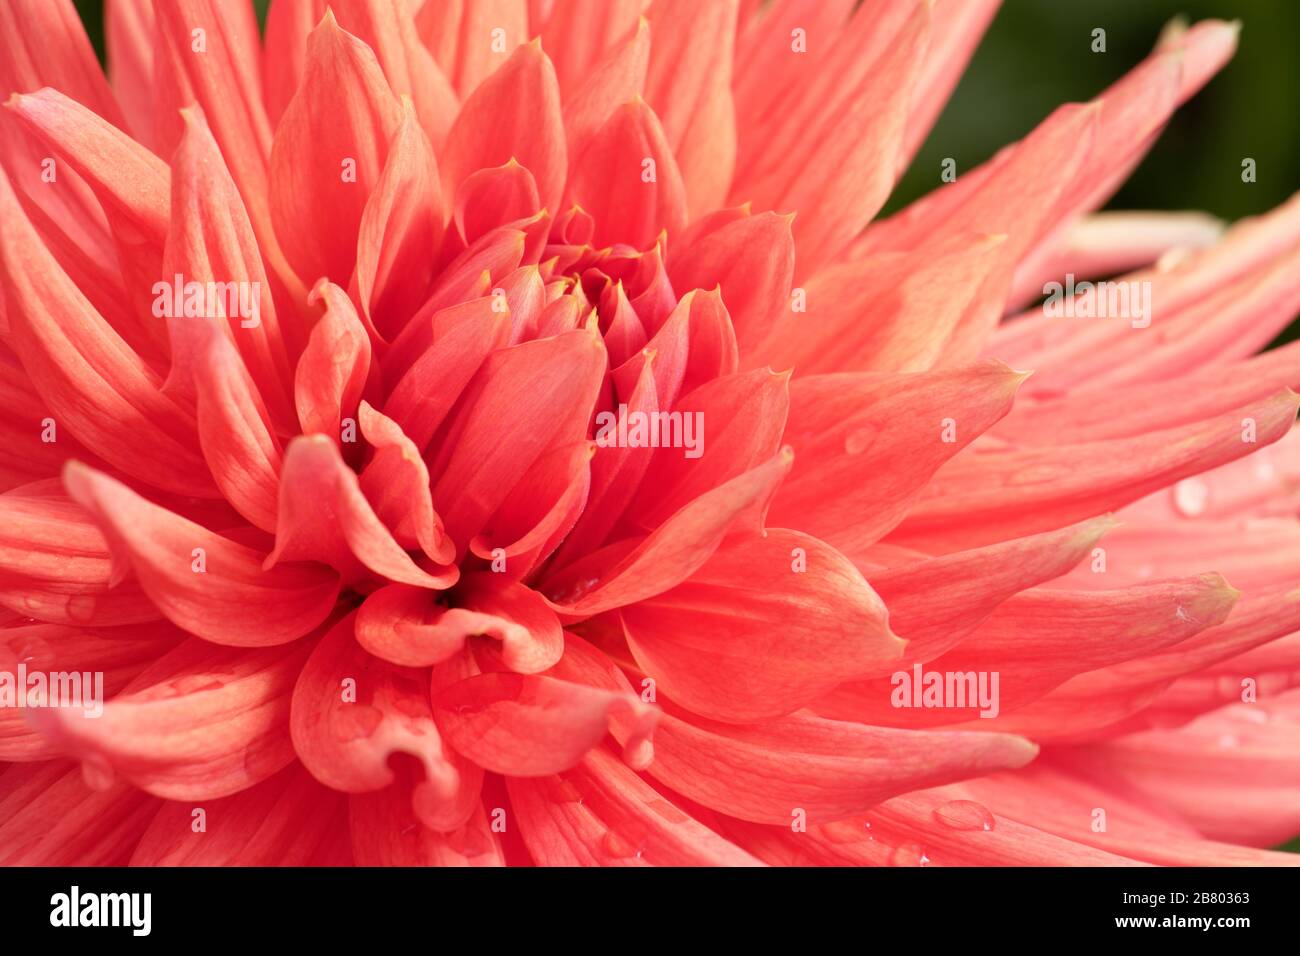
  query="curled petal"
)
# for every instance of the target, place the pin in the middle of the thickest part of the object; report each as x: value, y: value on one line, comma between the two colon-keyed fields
x: 202, y: 722
x: 533, y: 725
x: 324, y: 516
x: 203, y: 582
x: 352, y: 712
x: 403, y: 625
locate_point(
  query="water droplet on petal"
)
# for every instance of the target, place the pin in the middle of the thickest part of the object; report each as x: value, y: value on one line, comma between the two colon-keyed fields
x: 1191, y: 497
x: 965, y: 815
x: 639, y: 753
x: 194, y: 684
x: 844, y: 831
x: 618, y: 847
x: 1037, y: 475
x: 562, y: 791
x: 355, y: 721
x: 1251, y: 714
x: 859, y: 440
x: 909, y: 854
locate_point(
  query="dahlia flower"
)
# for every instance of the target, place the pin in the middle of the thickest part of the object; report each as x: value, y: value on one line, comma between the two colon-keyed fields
x: 331, y: 361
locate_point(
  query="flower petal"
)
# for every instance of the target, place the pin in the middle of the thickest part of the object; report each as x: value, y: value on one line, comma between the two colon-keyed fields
x: 601, y: 813
x: 324, y: 516
x: 329, y: 153
x: 50, y: 817
x: 784, y: 599
x: 231, y: 600
x: 514, y: 113
x: 202, y: 722
x: 352, y: 712
x: 286, y: 820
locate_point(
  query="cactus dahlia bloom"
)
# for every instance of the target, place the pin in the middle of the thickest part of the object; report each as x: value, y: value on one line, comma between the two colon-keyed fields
x: 310, y: 347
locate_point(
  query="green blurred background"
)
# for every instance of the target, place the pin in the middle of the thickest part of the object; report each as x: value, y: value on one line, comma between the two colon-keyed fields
x: 1037, y: 55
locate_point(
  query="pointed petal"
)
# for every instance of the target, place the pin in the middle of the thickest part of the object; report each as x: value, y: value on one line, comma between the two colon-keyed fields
x: 388, y: 27
x: 471, y: 39
x: 515, y: 113
x: 525, y: 400
x: 401, y: 227
x: 333, y: 370
x: 752, y: 259
x: 744, y: 416
x: 1038, y: 640
x: 396, y: 483
x: 936, y: 602
x: 616, y: 79
x: 329, y: 152
x: 211, y: 240
x: 427, y: 390
x: 628, y: 180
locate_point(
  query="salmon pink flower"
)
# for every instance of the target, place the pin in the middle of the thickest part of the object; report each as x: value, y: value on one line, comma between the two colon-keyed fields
x: 502, y: 432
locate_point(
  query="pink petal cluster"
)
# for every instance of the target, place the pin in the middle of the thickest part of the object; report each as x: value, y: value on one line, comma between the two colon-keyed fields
x: 362, y: 580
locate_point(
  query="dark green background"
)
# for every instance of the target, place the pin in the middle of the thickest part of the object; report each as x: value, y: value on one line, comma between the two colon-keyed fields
x: 1038, y: 55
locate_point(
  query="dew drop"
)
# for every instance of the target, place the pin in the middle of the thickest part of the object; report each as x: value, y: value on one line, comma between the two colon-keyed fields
x: 563, y: 791
x: 639, y: 752
x: 1252, y: 714
x: 965, y: 815
x: 1228, y: 687
x: 618, y: 847
x: 844, y: 831
x: 1036, y: 475
x: 195, y: 684
x: 1191, y: 497
x: 859, y: 440
x: 355, y: 721
x: 909, y: 854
